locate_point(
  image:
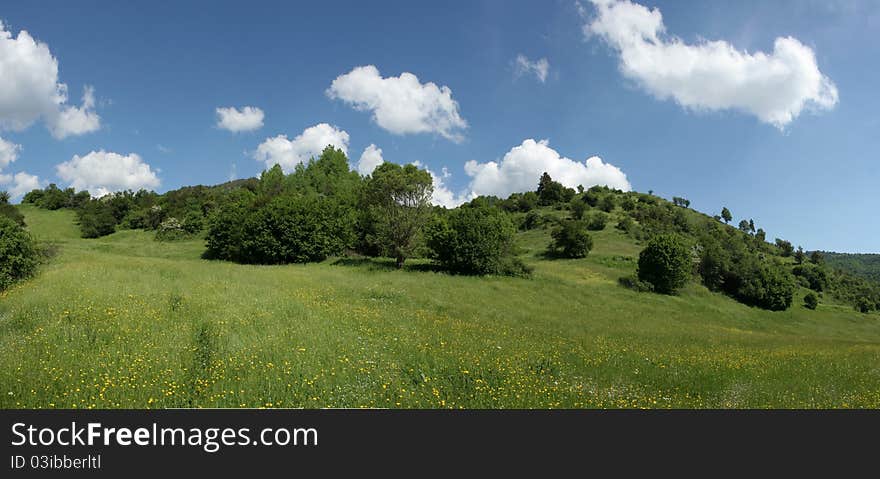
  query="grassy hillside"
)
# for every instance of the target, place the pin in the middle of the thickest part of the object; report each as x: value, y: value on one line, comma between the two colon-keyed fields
x: 125, y: 321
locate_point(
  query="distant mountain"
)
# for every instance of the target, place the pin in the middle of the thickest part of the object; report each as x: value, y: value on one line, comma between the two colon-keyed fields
x: 863, y: 265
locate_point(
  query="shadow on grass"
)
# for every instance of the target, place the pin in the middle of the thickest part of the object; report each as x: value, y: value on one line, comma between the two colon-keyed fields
x: 385, y: 264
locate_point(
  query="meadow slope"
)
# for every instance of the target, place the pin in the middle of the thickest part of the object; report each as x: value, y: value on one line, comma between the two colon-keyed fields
x: 126, y: 321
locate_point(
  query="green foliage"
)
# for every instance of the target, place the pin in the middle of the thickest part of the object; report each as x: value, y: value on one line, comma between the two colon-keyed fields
x: 171, y: 230
x: 18, y: 253
x: 11, y: 212
x: 665, y: 263
x: 288, y: 229
x: 634, y: 283
x: 866, y: 266
x: 596, y: 221
x: 785, y: 247
x: 398, y: 201
x: 96, y: 219
x: 475, y: 241
x: 607, y: 203
x: 811, y: 301
x: 813, y: 277
x: 578, y: 207
x: 571, y: 240
x: 552, y: 192
x: 725, y: 215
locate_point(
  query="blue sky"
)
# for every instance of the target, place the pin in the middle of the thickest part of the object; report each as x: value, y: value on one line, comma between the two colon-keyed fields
x: 159, y: 71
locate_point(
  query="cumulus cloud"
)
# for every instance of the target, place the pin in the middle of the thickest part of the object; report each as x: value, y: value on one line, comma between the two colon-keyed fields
x: 310, y: 143
x: 539, y: 68
x: 523, y: 165
x: 442, y: 194
x: 19, y: 183
x: 8, y: 152
x: 249, y: 118
x: 102, y: 172
x: 775, y: 87
x: 370, y: 159
x: 30, y: 90
x: 400, y: 104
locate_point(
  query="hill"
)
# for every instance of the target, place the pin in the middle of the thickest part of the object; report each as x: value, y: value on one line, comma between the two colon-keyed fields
x: 863, y: 265
x: 126, y: 321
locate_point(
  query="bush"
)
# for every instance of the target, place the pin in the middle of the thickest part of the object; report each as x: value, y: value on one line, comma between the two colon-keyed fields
x: 475, y: 241
x: 632, y: 282
x: 571, y: 240
x: 532, y: 220
x: 18, y: 253
x: 171, y: 230
x: 814, y: 276
x: 811, y: 301
x: 11, y: 212
x: 290, y: 228
x: 597, y: 221
x: 863, y: 305
x: 193, y: 222
x: 665, y: 263
x: 96, y: 219
x: 578, y: 208
x: 767, y: 287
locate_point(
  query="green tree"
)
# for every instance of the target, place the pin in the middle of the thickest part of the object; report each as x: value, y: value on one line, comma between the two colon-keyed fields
x: 665, y: 263
x: 817, y: 258
x: 744, y: 226
x: 475, y: 241
x: 18, y: 253
x: 811, y: 301
x: 398, y: 198
x: 550, y: 192
x: 799, y: 256
x: 785, y: 247
x: 725, y: 215
x: 571, y: 240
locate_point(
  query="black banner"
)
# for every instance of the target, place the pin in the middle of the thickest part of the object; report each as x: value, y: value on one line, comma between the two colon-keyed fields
x: 114, y: 443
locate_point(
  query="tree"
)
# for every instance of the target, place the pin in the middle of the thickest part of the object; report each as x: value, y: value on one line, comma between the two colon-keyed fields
x: 816, y: 258
x: 96, y: 219
x: 725, y: 215
x: 811, y: 301
x: 761, y: 235
x: 4, y: 198
x: 551, y: 192
x: 571, y: 240
x: 752, y: 225
x: 744, y: 227
x: 398, y: 198
x: 475, y: 241
x: 578, y: 207
x: 683, y: 202
x: 18, y: 253
x: 785, y: 247
x: 665, y: 263
x: 799, y: 255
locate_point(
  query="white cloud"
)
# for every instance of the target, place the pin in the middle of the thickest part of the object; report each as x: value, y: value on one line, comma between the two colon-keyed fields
x: 102, y: 172
x: 370, y: 159
x: 19, y: 184
x: 539, y: 68
x: 30, y: 90
x: 712, y: 75
x: 249, y: 118
x: 523, y: 165
x: 8, y: 152
x: 310, y: 143
x: 400, y: 104
x: 442, y: 195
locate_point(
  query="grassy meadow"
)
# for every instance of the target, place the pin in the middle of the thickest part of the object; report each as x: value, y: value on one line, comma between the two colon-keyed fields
x: 126, y: 321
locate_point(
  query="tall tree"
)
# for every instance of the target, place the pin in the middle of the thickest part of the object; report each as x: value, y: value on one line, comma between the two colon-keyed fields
x: 398, y: 199
x: 725, y: 215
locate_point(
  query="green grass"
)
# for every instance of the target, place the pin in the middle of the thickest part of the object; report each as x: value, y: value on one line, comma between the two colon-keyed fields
x: 125, y: 321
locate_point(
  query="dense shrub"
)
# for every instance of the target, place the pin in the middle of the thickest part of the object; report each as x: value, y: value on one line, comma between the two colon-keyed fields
x: 18, y: 253
x: 665, y: 263
x: 11, y: 212
x: 814, y: 277
x: 171, y: 230
x: 533, y: 220
x: 475, y: 241
x: 632, y: 282
x: 811, y: 301
x: 767, y: 287
x: 578, y: 207
x: 288, y: 229
x: 571, y: 240
x: 96, y: 219
x: 597, y: 221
